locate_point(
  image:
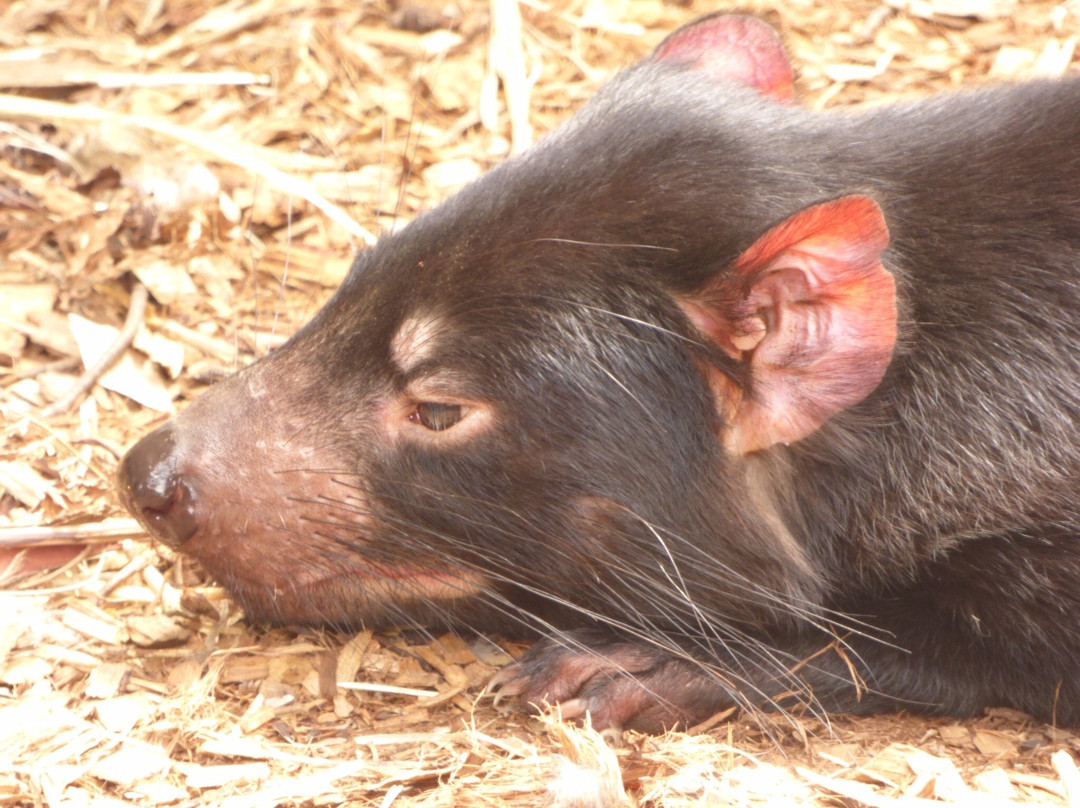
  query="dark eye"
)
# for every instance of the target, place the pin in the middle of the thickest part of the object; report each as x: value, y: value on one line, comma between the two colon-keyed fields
x: 437, y: 417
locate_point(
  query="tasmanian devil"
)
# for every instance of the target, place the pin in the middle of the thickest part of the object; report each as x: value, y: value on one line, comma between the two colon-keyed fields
x: 732, y: 402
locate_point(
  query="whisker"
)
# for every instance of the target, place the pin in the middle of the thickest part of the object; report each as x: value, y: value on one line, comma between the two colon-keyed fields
x: 609, y: 245
x: 814, y: 615
x: 650, y: 570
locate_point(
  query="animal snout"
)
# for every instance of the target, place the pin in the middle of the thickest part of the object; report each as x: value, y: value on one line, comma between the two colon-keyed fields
x: 154, y: 491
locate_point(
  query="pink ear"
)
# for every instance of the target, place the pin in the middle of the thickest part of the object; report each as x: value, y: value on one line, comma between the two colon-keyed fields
x: 733, y: 48
x: 811, y: 310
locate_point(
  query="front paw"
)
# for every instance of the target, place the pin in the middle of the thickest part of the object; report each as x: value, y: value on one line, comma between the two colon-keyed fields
x: 618, y: 684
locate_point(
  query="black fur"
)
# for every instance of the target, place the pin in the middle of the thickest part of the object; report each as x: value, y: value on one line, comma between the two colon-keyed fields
x: 925, y: 538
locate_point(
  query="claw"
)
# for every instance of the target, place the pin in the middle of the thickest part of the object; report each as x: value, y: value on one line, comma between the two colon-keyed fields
x: 573, y: 709
x: 613, y: 736
x: 611, y: 683
x: 577, y: 711
x: 506, y: 684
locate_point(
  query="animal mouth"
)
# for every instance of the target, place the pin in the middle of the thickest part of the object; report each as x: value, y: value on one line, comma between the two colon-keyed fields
x: 374, y: 594
x: 422, y: 582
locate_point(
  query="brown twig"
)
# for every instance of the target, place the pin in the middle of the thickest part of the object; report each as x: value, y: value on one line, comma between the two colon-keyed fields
x: 107, y: 530
x: 135, y: 313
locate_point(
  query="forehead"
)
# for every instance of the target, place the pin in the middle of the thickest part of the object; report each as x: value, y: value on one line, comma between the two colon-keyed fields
x: 415, y: 341
x: 516, y: 316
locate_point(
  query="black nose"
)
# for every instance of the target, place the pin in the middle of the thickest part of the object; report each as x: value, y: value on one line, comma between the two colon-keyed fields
x: 154, y: 492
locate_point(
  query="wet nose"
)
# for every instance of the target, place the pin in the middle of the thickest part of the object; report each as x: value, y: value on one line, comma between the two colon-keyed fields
x: 154, y: 492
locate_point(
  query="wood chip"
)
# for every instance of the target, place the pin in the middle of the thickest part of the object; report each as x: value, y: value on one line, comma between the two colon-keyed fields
x: 994, y: 743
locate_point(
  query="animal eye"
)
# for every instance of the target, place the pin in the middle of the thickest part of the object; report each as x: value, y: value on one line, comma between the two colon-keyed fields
x: 437, y: 417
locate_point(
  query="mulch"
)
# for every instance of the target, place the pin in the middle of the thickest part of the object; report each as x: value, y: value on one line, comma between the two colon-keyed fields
x: 202, y: 171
